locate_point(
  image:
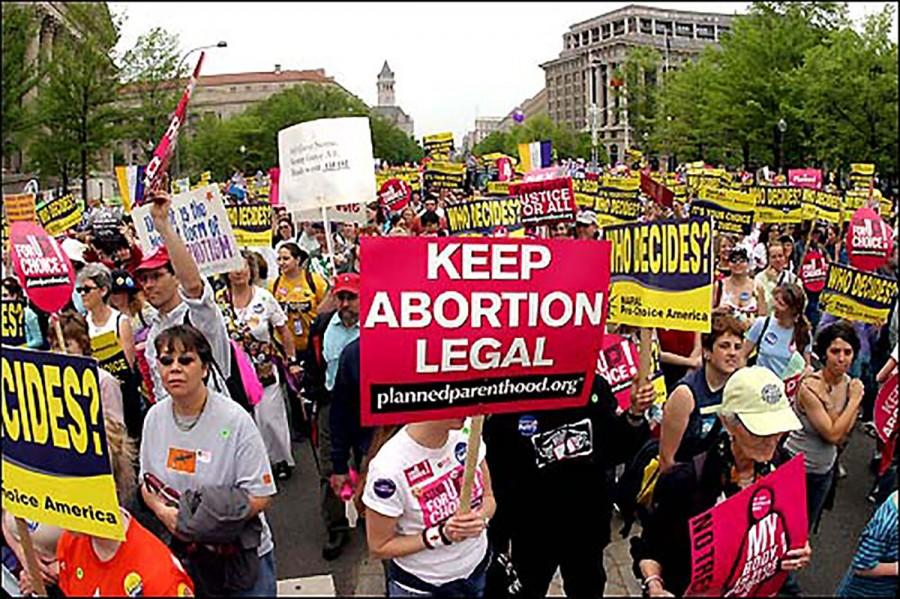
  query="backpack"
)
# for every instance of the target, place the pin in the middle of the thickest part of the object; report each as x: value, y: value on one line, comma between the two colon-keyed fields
x: 243, y: 385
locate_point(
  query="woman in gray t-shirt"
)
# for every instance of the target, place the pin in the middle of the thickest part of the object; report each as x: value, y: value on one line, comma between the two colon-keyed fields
x: 827, y: 404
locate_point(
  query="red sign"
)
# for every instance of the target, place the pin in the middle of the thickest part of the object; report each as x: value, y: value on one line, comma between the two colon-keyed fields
x: 886, y: 409
x: 869, y: 240
x: 163, y: 151
x: 813, y: 271
x: 660, y: 194
x: 463, y: 326
x: 43, y: 269
x: 504, y: 169
x: 618, y: 364
x: 737, y: 546
x: 274, y: 174
x: 805, y: 177
x: 545, y: 202
x: 394, y: 195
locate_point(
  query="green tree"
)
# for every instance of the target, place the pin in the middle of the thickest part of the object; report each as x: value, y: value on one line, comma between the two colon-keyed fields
x: 215, y: 144
x: 567, y: 143
x: 20, y: 76
x: 639, y: 71
x: 74, y: 108
x: 848, y: 89
x: 149, y: 71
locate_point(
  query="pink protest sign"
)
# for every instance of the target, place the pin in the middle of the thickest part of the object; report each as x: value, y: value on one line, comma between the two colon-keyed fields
x: 886, y: 409
x: 453, y: 326
x: 394, y: 195
x: 813, y: 271
x: 805, y: 177
x: 274, y: 174
x: 43, y: 269
x: 617, y: 362
x: 869, y: 240
x: 737, y: 546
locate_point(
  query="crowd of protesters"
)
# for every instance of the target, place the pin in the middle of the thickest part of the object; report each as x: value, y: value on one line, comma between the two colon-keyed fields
x: 210, y: 380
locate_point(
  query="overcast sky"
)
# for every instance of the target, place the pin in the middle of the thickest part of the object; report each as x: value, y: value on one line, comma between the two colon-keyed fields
x: 451, y: 61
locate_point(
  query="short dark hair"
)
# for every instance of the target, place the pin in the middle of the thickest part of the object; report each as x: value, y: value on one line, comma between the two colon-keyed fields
x: 189, y: 338
x: 294, y: 249
x: 840, y: 329
x: 430, y: 218
x: 723, y: 323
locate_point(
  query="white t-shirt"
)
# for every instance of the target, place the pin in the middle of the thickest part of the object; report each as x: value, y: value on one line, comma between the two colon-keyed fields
x: 262, y: 309
x: 421, y: 487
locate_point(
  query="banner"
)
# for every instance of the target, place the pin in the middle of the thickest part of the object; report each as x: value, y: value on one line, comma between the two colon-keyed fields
x: 56, y: 465
x: 60, y: 214
x: 618, y: 362
x: 886, y: 409
x: 728, y: 217
x: 166, y: 145
x: 662, y: 274
x: 535, y: 155
x: 326, y: 162
x: 585, y: 191
x: 854, y: 199
x: 616, y: 205
x: 444, y: 175
x: 394, y: 194
x: 439, y: 145
x: 545, y: 202
x: 12, y: 323
x: 345, y: 213
x: 823, y: 205
x: 410, y: 174
x: 497, y: 188
x: 44, y: 271
x: 199, y: 218
x: 482, y: 216
x: 869, y: 240
x: 813, y: 271
x: 497, y: 325
x: 810, y: 178
x: 658, y: 192
x: 251, y: 224
x: 274, y: 174
x: 857, y: 295
x: 862, y: 175
x: 737, y: 546
x: 780, y: 205
x: 19, y: 207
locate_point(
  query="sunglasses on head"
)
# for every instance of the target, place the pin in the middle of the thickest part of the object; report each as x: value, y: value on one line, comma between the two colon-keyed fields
x: 183, y: 360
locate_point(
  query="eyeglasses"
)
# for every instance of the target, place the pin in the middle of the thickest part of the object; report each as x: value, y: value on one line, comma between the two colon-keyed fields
x: 183, y: 360
x: 85, y: 290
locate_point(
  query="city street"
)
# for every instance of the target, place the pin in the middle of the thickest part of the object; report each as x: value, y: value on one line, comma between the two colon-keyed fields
x: 299, y: 534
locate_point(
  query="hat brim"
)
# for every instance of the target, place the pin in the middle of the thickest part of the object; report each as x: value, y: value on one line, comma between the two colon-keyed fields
x: 771, y: 423
x: 152, y: 264
x: 346, y: 288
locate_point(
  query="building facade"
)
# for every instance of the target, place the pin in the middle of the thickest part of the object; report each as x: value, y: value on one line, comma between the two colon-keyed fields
x: 387, y: 104
x: 582, y: 76
x: 484, y: 126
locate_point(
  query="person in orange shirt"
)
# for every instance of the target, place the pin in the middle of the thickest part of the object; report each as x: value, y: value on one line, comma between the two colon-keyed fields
x: 141, y: 565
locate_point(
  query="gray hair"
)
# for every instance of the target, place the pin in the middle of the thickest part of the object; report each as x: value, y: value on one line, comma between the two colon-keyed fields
x: 97, y: 273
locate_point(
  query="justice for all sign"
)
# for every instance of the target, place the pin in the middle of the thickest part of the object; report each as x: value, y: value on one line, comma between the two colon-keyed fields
x: 464, y: 326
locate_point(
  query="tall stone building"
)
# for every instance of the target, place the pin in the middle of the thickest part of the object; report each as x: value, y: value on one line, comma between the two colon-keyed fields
x: 582, y: 75
x: 533, y: 106
x: 387, y: 105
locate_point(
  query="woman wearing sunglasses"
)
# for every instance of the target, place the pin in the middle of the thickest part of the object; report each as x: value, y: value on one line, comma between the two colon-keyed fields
x: 736, y: 291
x: 201, y: 439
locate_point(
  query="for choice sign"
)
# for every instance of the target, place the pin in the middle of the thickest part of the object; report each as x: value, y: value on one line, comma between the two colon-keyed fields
x: 464, y: 326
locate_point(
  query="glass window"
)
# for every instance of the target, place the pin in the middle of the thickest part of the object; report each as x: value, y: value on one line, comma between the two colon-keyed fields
x: 647, y: 26
x: 619, y: 27
x: 595, y: 34
x: 684, y: 29
x: 663, y: 27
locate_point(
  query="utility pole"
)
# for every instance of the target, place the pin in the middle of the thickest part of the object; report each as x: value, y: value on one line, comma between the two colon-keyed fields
x: 593, y: 115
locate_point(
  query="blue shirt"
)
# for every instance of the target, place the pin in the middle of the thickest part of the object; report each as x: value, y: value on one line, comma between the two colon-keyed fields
x: 337, y: 336
x: 877, y: 544
x: 776, y: 347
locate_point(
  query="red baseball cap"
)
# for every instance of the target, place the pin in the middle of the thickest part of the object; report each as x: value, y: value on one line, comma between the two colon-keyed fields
x: 157, y: 259
x: 348, y: 281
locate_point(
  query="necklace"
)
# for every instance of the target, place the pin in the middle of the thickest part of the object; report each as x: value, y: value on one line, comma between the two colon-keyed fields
x: 187, y: 423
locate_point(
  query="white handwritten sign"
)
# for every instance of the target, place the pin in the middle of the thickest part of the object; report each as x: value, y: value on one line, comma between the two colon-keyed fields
x: 327, y: 162
x: 346, y: 213
x: 199, y: 218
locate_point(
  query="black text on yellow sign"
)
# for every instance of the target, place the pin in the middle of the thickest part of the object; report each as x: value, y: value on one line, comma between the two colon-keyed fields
x: 662, y: 248
x: 12, y: 323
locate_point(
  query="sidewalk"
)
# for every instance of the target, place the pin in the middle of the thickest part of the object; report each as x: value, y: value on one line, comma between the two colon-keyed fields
x: 620, y: 582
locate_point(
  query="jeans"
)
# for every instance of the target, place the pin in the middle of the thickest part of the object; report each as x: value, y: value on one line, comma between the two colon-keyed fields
x: 413, y: 586
x: 817, y: 487
x: 266, y: 583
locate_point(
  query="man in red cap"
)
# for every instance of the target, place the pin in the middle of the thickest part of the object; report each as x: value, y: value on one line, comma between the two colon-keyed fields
x: 173, y: 285
x: 330, y: 333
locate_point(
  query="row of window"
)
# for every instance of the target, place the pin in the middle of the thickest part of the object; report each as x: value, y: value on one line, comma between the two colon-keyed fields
x: 677, y: 29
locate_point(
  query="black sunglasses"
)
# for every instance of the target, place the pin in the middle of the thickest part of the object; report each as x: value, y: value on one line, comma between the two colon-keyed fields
x: 183, y: 360
x: 85, y: 289
x: 345, y: 296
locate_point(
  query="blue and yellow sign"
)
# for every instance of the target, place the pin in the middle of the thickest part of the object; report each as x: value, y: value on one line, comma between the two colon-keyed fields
x: 56, y: 466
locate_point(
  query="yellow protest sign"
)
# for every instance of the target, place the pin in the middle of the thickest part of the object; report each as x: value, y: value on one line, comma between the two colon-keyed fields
x: 56, y: 465
x: 19, y: 206
x: 251, y: 223
x: 857, y: 295
x: 780, y: 205
x: 662, y: 274
x: 60, y: 214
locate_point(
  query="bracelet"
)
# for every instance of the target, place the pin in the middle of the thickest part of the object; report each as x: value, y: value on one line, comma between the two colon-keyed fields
x: 446, y: 540
x: 646, y: 584
x: 431, y: 536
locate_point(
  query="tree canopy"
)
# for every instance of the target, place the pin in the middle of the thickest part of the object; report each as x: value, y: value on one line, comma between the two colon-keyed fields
x: 567, y: 142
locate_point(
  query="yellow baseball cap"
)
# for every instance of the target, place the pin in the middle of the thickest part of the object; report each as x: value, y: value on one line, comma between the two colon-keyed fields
x: 756, y: 395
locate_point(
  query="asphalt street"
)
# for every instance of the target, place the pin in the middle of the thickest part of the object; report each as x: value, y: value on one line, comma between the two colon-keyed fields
x: 300, y: 533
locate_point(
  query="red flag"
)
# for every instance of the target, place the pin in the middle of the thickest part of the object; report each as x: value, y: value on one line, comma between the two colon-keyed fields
x: 166, y: 144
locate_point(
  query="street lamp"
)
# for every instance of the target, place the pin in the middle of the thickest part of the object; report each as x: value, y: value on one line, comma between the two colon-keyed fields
x: 221, y: 44
x: 781, y: 128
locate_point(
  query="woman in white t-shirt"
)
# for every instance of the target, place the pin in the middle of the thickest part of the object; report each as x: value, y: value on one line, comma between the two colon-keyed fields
x: 412, y: 496
x: 251, y: 312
